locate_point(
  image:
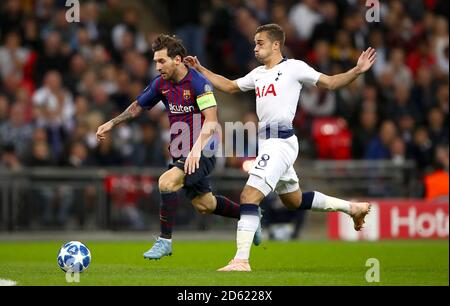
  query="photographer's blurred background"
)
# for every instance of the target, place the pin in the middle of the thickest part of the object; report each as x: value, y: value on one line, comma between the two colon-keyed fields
x: 385, y: 136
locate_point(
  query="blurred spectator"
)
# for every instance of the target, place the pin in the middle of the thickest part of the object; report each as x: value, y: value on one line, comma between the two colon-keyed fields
x: 422, y: 148
x: 12, y: 55
x: 11, y: 17
x: 402, y: 104
x: 379, y: 147
x: 438, y: 130
x: 364, y: 132
x: 441, y: 42
x: 342, y: 50
x: 320, y: 57
x: 148, y: 151
x: 186, y: 23
x: 9, y: 158
x: 437, y: 182
x: 102, y: 103
x: 398, y: 69
x: 77, y: 67
x: 398, y: 151
x: 105, y: 155
x: 442, y: 99
x: 53, y: 103
x: 377, y: 42
x: 422, y: 92
x: 318, y: 102
x: 326, y: 29
x: 15, y: 131
x: 305, y: 16
x: 52, y: 57
x: 126, y: 34
x: 242, y: 40
x: 89, y: 19
x: 4, y: 109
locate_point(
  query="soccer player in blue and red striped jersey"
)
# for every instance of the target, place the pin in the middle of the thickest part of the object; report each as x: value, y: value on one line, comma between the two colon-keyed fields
x: 192, y: 109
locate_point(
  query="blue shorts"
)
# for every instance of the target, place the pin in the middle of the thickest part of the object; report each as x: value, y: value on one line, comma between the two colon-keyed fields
x: 199, y: 182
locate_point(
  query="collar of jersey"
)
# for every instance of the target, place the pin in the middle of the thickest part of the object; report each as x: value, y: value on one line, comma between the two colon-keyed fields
x: 283, y: 60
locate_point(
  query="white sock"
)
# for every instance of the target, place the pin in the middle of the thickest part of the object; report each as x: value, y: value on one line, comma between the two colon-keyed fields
x: 323, y: 202
x: 165, y: 239
x: 247, y: 226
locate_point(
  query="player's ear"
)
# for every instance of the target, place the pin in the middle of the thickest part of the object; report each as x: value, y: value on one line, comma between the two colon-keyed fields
x: 276, y: 45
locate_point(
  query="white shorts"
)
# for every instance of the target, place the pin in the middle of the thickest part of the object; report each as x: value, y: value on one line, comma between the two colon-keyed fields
x: 273, y: 169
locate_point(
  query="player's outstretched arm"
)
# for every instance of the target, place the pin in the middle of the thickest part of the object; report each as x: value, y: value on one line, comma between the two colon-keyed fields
x: 132, y: 111
x: 365, y: 62
x: 218, y: 81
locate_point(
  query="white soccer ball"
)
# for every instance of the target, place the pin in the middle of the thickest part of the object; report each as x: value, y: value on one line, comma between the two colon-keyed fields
x: 74, y: 256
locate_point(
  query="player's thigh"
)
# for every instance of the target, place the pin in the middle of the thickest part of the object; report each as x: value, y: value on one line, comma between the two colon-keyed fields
x: 205, y: 203
x: 172, y: 180
x: 275, y: 158
x: 288, y: 189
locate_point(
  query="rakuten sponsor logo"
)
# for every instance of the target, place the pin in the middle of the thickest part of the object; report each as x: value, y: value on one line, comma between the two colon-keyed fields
x: 180, y: 109
x: 421, y: 224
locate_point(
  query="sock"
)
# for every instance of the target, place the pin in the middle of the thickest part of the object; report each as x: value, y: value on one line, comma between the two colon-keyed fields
x: 226, y: 208
x: 167, y: 213
x: 247, y: 226
x: 317, y: 201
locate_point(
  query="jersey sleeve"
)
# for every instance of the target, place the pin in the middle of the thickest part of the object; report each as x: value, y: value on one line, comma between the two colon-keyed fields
x: 247, y: 82
x: 204, y: 93
x: 150, y: 96
x: 304, y: 73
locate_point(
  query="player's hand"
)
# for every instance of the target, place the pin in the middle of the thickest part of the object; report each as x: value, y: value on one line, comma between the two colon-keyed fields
x: 192, y: 163
x: 103, y: 130
x: 192, y: 61
x: 366, y: 60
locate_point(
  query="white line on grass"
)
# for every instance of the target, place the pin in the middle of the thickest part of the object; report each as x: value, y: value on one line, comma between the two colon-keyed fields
x: 7, y: 282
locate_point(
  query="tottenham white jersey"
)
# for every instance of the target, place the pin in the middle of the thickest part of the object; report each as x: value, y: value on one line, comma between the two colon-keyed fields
x: 278, y: 90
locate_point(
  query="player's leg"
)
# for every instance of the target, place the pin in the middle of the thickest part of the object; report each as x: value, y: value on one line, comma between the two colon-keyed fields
x: 198, y: 188
x: 275, y: 157
x: 207, y: 203
x: 317, y: 201
x: 248, y: 224
x: 293, y: 198
x: 169, y: 183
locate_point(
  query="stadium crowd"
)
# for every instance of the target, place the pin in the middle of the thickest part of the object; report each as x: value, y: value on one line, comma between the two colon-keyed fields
x: 59, y: 81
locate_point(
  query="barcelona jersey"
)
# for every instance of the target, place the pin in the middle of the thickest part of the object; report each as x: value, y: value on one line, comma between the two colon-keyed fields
x: 184, y: 102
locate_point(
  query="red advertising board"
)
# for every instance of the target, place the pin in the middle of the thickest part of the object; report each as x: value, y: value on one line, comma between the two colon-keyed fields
x: 394, y: 219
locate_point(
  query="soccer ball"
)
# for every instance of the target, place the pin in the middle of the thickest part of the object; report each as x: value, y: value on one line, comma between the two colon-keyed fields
x: 74, y: 256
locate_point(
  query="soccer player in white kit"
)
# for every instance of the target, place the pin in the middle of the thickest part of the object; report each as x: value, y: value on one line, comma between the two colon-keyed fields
x: 277, y: 84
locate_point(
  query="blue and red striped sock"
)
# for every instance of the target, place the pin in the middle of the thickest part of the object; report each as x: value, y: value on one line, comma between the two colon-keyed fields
x: 226, y: 208
x: 167, y: 213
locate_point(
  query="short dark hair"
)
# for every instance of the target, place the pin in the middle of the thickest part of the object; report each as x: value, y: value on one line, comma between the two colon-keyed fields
x: 274, y: 31
x: 173, y: 45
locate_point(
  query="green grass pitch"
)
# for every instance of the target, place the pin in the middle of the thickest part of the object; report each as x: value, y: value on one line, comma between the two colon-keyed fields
x: 195, y: 263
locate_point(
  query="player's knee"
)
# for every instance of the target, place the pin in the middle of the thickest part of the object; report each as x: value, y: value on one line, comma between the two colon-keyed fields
x: 166, y: 185
x: 202, y: 207
x: 251, y: 195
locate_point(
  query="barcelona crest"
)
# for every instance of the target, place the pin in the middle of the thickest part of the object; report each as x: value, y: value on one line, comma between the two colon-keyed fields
x: 186, y: 94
